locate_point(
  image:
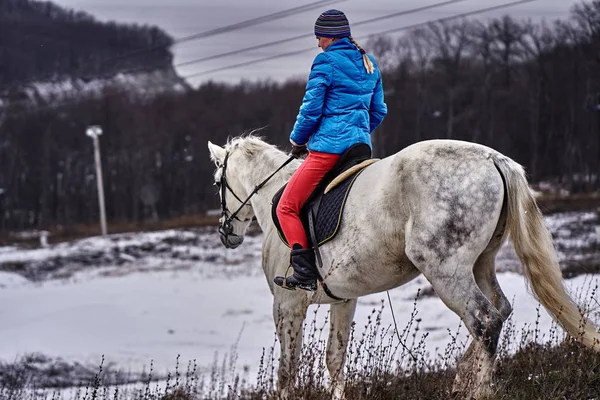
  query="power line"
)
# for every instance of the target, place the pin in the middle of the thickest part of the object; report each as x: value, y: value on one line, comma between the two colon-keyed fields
x: 213, y: 32
x: 236, y: 26
x: 281, y: 15
x: 404, y: 28
x: 270, y: 17
x: 282, y: 41
x: 303, y: 36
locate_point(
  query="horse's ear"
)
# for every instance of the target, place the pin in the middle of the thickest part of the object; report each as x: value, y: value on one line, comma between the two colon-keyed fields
x: 217, y: 153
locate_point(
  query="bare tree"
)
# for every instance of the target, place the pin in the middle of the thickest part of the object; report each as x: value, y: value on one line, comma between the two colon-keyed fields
x: 508, y: 35
x: 384, y: 51
x: 481, y: 43
x: 450, y: 45
x: 587, y: 19
x: 538, y: 43
x: 417, y: 49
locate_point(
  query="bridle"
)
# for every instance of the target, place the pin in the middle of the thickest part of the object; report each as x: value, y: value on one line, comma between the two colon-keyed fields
x: 226, y: 229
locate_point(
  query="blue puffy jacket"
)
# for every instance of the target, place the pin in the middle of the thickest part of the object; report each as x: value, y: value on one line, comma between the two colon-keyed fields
x: 343, y: 104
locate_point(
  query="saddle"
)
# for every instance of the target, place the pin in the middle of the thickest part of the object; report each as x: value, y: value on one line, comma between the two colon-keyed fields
x: 321, y: 215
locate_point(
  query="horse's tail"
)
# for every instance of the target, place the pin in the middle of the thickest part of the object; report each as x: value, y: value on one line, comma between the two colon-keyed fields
x: 533, y: 244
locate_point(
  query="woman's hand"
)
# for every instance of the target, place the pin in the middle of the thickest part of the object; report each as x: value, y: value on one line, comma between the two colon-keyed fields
x: 299, y: 151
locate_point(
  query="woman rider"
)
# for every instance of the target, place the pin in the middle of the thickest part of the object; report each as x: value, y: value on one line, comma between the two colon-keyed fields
x: 342, y: 106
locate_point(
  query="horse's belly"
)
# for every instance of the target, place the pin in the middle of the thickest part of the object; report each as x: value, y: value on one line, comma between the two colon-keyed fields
x: 352, y: 275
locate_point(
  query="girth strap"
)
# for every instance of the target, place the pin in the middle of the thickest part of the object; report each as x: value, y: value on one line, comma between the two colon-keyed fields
x: 319, y: 260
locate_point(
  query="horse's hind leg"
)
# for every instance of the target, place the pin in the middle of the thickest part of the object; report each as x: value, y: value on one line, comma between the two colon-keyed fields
x: 485, y: 269
x: 453, y: 280
x: 485, y: 276
x: 339, y: 332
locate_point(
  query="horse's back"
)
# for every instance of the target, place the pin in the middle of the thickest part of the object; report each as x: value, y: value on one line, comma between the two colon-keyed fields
x: 444, y: 150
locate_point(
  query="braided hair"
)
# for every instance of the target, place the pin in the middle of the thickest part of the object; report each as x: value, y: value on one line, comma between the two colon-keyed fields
x: 366, y: 60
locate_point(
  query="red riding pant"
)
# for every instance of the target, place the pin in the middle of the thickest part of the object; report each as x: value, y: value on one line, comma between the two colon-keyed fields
x: 298, y: 190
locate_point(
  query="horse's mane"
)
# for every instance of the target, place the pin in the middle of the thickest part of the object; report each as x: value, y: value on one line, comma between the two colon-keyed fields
x: 254, y: 147
x: 250, y: 144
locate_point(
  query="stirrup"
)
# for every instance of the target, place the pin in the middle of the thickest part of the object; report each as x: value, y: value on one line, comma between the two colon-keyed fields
x: 281, y: 281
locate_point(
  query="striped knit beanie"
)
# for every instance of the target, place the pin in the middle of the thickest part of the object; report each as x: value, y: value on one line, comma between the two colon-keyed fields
x: 332, y: 24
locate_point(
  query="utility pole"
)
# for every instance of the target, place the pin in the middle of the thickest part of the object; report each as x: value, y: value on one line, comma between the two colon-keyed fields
x: 94, y: 132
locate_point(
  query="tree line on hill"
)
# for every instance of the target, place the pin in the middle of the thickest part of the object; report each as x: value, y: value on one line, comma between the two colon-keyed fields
x: 42, y: 41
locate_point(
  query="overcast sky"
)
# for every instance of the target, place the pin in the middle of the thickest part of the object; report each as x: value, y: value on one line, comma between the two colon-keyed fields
x: 186, y: 17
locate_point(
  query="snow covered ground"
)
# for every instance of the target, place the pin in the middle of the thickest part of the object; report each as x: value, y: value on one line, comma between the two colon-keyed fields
x: 149, y: 297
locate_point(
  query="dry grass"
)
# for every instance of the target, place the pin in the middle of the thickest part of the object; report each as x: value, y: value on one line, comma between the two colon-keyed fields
x: 531, y: 365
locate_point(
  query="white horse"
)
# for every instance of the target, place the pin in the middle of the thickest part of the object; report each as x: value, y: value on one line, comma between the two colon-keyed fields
x: 440, y: 208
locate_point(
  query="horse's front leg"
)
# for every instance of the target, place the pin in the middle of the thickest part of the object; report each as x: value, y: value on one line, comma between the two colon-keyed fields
x: 339, y: 332
x: 289, y: 312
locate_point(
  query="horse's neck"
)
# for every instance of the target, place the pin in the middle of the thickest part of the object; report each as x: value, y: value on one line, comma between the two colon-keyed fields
x: 263, y: 167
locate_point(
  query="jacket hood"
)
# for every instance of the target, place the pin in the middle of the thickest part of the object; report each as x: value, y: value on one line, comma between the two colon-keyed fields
x: 342, y: 44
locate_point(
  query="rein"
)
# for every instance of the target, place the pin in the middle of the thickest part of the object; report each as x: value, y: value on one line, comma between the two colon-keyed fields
x: 226, y: 224
x: 226, y: 229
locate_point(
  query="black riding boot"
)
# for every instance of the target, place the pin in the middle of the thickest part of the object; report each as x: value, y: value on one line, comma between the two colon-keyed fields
x: 305, y: 271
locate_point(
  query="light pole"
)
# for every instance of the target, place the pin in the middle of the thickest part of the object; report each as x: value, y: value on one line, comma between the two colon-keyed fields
x: 93, y: 132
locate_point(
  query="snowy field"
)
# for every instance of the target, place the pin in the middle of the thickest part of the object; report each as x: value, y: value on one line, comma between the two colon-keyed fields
x: 149, y: 297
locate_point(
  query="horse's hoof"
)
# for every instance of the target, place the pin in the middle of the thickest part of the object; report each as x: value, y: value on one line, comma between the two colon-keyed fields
x: 338, y: 392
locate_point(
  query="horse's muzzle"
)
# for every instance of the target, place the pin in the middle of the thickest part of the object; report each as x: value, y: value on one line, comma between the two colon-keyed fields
x: 231, y: 241
x: 228, y: 238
